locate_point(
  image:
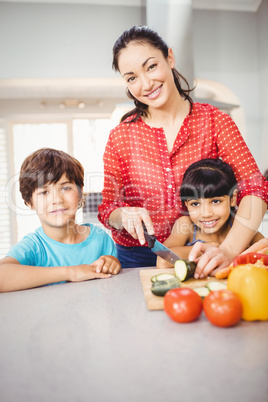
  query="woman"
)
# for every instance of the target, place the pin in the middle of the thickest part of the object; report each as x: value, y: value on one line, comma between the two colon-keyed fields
x: 148, y: 152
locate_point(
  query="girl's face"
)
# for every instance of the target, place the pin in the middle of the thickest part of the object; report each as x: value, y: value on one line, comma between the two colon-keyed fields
x: 210, y: 214
x: 56, y: 204
x: 147, y: 73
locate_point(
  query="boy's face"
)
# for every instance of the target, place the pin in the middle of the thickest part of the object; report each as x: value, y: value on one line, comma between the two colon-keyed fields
x: 56, y: 203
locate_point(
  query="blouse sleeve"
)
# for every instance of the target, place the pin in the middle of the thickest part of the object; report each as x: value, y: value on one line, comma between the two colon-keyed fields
x: 113, y: 189
x: 233, y: 150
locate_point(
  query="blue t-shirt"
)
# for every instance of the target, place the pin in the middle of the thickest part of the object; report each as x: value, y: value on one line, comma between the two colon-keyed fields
x: 37, y: 249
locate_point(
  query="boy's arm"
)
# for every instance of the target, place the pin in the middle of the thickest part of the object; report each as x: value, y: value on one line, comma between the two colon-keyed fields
x: 14, y: 276
x: 180, y: 235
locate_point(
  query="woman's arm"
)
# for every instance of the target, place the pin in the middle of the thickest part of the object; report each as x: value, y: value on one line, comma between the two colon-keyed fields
x: 14, y: 276
x: 246, y: 223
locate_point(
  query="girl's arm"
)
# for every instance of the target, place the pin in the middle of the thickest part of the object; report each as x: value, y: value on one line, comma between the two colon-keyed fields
x: 246, y: 223
x: 181, y: 234
x: 14, y: 276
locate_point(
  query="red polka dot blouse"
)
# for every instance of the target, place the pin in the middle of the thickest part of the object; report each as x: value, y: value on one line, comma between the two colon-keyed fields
x: 140, y: 172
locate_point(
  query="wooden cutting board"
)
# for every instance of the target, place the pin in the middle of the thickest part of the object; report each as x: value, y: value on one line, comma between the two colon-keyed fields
x: 156, y: 302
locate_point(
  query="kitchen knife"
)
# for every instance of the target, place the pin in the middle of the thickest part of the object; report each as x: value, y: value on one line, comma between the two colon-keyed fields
x: 159, y: 248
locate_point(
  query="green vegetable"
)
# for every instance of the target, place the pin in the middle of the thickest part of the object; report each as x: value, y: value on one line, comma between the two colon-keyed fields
x: 162, y: 277
x: 215, y: 285
x: 160, y: 288
x: 202, y: 291
x: 184, y: 269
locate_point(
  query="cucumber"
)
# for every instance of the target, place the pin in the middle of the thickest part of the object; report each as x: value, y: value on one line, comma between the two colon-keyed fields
x: 160, y: 288
x: 202, y: 291
x: 215, y: 285
x: 184, y: 269
x: 162, y: 277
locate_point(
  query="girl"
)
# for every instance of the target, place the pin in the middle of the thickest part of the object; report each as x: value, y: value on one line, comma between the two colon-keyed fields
x: 209, y: 193
x: 148, y: 152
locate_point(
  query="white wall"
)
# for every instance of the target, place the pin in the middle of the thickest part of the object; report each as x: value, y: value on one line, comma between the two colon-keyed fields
x: 227, y: 49
x: 61, y: 40
x: 262, y: 21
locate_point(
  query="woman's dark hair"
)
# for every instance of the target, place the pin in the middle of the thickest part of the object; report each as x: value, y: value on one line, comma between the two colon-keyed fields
x: 207, y: 178
x: 145, y: 35
x: 47, y: 165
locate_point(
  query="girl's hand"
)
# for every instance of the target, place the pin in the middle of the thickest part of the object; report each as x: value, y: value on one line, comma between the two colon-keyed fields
x: 211, y: 260
x: 132, y: 218
x: 107, y: 264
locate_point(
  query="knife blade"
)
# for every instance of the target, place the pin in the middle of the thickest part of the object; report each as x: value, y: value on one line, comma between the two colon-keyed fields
x: 159, y: 248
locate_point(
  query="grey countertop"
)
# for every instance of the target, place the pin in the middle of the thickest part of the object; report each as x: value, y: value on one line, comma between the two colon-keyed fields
x: 96, y: 341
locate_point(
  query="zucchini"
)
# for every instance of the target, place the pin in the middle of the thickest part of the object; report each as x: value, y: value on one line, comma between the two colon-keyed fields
x: 202, y: 291
x: 215, y: 285
x: 184, y: 269
x: 160, y: 288
x: 162, y: 277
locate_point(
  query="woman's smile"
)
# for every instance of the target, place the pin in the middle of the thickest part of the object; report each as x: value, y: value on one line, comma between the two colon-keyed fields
x: 155, y: 93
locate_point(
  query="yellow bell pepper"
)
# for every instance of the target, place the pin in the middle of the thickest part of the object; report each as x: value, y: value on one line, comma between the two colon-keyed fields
x: 251, y: 285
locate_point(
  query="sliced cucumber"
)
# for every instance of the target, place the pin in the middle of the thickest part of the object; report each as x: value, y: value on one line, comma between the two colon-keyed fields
x: 184, y: 269
x: 215, y: 285
x: 162, y: 277
x: 160, y: 288
x: 202, y: 291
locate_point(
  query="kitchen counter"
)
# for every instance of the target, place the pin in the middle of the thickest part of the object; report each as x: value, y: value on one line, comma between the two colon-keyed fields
x: 97, y: 341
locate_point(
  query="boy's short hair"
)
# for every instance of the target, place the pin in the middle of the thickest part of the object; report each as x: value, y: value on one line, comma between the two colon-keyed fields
x: 47, y: 165
x: 208, y: 178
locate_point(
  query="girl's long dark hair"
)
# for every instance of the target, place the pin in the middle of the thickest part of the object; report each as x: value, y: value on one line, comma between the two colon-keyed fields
x: 145, y: 35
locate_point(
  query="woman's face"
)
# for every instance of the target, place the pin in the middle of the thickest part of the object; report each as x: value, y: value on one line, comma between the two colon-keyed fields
x: 147, y: 73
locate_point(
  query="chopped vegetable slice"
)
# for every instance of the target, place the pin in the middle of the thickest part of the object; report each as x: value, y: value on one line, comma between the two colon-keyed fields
x: 184, y: 269
x: 202, y: 291
x: 215, y: 285
x: 160, y: 288
x: 162, y: 277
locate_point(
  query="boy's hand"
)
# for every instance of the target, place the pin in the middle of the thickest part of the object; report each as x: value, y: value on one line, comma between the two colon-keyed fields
x: 107, y: 264
x: 84, y: 272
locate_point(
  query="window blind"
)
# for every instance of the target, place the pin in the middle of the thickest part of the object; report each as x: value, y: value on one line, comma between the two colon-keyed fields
x: 5, y: 236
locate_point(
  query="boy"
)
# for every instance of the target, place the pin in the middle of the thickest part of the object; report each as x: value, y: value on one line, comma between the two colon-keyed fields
x: 51, y: 183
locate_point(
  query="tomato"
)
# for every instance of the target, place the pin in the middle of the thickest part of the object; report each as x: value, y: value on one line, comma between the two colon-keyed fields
x: 182, y: 304
x: 223, y: 308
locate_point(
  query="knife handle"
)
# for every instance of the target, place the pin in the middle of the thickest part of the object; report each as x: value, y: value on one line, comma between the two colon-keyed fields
x: 149, y: 238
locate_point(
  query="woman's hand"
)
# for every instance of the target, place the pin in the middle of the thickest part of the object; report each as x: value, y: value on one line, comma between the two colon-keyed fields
x: 131, y: 219
x: 211, y: 260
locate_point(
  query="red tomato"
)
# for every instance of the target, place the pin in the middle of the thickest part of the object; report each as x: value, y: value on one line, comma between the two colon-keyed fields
x: 223, y: 308
x: 182, y: 304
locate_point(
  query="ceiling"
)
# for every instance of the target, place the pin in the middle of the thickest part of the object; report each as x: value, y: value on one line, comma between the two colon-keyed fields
x: 34, y: 89
x: 231, y: 5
